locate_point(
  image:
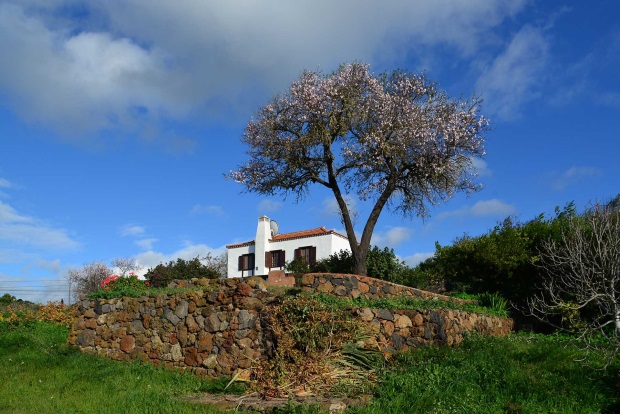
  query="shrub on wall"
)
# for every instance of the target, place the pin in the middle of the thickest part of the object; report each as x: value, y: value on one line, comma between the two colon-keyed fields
x: 181, y: 269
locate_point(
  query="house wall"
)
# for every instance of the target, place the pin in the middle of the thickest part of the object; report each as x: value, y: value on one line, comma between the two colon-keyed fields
x: 233, y: 261
x: 325, y: 244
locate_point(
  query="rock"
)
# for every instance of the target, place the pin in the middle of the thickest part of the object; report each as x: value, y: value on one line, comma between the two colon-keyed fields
x: 182, y: 309
x: 168, y: 314
x: 418, y: 320
x: 251, y: 304
x: 246, y: 320
x: 210, y: 362
x: 192, y: 326
x: 402, y: 322
x: 341, y: 290
x: 86, y: 338
x: 192, y: 359
x: 384, y: 314
x: 128, y: 343
x: 307, y: 279
x: 212, y: 323
x: 365, y: 314
x: 257, y: 282
x: 205, y: 342
x: 243, y: 289
x: 175, y: 351
x: 137, y: 327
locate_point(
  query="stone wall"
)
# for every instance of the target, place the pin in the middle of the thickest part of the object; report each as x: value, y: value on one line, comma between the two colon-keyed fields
x: 399, y: 330
x: 224, y: 325
x: 354, y: 286
x: 213, y: 331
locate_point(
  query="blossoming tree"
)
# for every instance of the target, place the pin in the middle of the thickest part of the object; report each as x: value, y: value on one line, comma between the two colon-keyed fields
x: 392, y: 139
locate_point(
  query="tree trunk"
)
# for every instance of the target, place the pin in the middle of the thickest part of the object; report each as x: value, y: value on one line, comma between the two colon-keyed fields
x: 359, y: 260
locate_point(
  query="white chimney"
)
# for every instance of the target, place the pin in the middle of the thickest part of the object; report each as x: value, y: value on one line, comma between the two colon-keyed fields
x: 263, y: 234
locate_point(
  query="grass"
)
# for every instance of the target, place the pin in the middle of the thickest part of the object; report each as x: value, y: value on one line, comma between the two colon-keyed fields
x: 410, y: 303
x: 515, y: 374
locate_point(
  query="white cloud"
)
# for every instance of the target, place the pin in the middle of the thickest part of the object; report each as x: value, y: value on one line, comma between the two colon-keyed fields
x: 18, y: 229
x: 132, y: 230
x: 4, y: 183
x: 213, y: 210
x: 481, y: 167
x: 417, y: 258
x: 484, y: 208
x: 513, y: 78
x: 268, y: 206
x: 392, y: 237
x: 119, y: 64
x: 146, y: 244
x: 573, y: 176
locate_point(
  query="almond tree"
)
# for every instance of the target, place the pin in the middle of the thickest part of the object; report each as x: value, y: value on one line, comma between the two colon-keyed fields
x: 394, y: 139
x: 583, y: 278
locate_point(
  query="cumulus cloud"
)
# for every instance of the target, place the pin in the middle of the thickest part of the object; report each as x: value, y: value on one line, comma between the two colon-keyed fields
x: 146, y: 244
x: 513, y: 77
x: 392, y: 237
x: 4, y: 183
x: 132, y: 230
x: 481, y: 167
x: 118, y: 64
x: 268, y: 206
x: 19, y: 229
x: 212, y: 210
x: 417, y: 258
x: 574, y: 175
x: 484, y: 208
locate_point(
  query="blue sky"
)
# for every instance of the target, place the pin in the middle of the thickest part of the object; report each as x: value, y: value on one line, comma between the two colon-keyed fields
x: 119, y: 119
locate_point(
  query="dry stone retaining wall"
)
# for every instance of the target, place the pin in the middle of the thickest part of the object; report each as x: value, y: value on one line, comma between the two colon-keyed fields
x: 213, y: 332
x: 224, y: 326
x: 354, y: 286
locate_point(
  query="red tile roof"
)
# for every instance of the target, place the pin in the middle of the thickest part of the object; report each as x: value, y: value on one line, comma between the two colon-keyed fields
x: 319, y: 231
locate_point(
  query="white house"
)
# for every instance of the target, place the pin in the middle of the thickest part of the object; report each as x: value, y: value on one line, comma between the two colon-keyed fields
x: 270, y: 250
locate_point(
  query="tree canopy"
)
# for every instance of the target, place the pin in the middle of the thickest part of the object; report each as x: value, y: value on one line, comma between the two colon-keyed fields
x: 394, y: 139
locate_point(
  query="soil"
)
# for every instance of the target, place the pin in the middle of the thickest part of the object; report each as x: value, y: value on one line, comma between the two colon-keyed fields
x: 256, y: 403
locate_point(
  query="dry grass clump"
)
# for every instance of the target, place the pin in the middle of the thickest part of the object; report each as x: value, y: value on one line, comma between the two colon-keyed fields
x: 318, y: 350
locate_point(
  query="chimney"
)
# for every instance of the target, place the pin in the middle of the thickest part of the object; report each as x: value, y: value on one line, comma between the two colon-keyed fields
x: 263, y: 234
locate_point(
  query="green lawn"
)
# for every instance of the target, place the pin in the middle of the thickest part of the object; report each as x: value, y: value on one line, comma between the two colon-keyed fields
x: 517, y: 374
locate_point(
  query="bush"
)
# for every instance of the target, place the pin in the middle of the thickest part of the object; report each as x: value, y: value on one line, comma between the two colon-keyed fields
x: 208, y: 267
x: 501, y: 261
x: 117, y: 286
x: 380, y: 263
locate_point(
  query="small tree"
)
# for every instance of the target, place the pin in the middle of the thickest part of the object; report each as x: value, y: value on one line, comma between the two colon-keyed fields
x: 394, y: 139
x: 583, y: 282
x: 88, y: 278
x: 125, y: 265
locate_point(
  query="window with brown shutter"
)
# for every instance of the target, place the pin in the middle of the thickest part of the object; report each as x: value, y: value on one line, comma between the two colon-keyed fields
x: 276, y: 258
x: 307, y: 254
x: 246, y: 262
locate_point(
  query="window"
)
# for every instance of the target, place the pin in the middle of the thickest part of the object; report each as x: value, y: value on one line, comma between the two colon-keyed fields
x: 246, y: 262
x: 307, y: 254
x: 275, y: 258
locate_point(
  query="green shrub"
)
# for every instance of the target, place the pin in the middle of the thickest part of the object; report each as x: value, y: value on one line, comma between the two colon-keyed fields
x: 209, y: 267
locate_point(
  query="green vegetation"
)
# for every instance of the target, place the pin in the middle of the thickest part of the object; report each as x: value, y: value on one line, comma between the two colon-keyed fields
x: 515, y: 374
x: 210, y: 267
x: 501, y: 261
x: 493, y: 307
